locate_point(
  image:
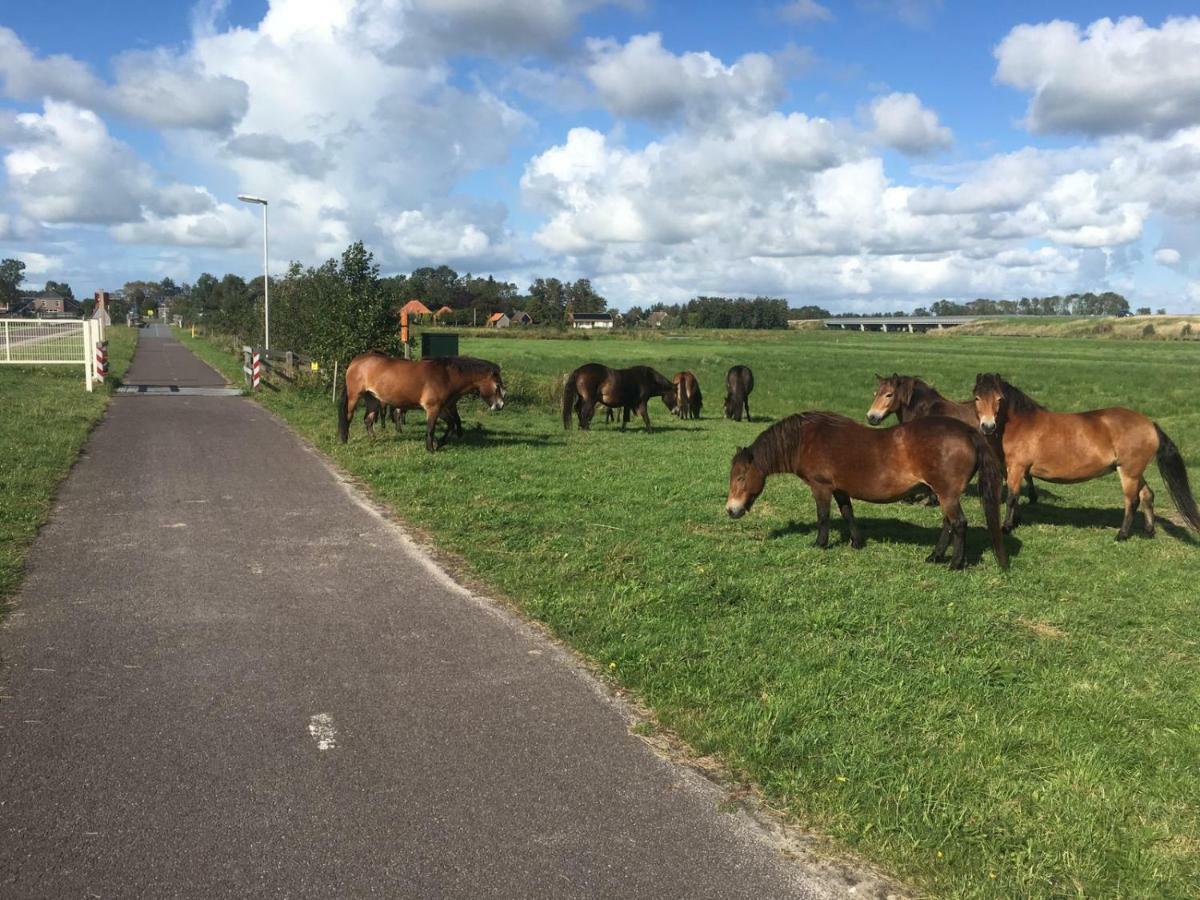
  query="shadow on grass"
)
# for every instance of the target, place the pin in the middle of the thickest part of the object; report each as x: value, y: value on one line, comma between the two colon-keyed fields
x: 1099, y: 517
x: 897, y: 531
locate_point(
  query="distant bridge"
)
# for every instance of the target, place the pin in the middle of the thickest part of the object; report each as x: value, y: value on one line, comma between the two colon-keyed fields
x: 899, y: 323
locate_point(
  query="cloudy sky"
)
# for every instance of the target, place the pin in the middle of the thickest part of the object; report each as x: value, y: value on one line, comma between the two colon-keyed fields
x: 862, y: 154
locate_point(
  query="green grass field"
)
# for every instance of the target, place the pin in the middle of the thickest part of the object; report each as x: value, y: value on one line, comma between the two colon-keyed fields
x: 979, y: 734
x: 45, y: 417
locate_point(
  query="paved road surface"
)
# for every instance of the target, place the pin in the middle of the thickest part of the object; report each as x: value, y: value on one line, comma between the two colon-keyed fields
x: 225, y: 676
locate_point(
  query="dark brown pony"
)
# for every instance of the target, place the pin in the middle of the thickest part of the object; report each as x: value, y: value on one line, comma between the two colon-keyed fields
x: 838, y: 458
x: 434, y: 385
x: 688, y: 399
x: 1071, y: 447
x: 626, y: 389
x: 911, y: 398
x: 739, y: 382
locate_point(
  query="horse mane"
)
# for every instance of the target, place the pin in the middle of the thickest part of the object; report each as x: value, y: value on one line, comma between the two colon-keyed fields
x: 773, y: 449
x: 467, y: 365
x: 1018, y: 401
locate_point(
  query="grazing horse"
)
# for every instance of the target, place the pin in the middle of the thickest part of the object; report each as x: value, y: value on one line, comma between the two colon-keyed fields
x: 739, y: 382
x: 625, y: 389
x: 434, y: 385
x: 688, y: 399
x: 911, y: 398
x: 840, y: 459
x: 1071, y: 447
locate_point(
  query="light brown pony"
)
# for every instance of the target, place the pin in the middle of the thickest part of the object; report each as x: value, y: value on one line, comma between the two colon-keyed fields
x: 911, y: 398
x: 840, y: 459
x: 434, y: 385
x: 688, y: 399
x: 1071, y: 447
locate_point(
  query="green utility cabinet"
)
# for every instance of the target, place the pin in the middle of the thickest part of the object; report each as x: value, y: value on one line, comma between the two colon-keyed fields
x: 438, y: 343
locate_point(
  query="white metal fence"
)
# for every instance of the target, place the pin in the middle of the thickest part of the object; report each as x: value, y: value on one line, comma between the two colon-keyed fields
x: 49, y: 342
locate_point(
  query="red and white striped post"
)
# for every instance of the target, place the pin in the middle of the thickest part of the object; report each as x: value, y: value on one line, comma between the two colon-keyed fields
x: 101, y: 360
x: 256, y: 370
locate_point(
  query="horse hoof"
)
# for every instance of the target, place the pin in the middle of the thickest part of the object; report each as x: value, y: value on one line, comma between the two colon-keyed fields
x: 958, y: 566
x: 934, y: 558
x: 858, y: 545
x: 1122, y: 536
x: 1007, y: 528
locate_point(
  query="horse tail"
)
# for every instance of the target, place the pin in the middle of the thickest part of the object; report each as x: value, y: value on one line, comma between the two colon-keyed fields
x: 1170, y: 467
x: 990, y: 479
x: 343, y: 415
x: 570, y: 395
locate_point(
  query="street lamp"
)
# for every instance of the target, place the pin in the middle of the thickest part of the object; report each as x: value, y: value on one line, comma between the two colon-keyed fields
x: 247, y: 198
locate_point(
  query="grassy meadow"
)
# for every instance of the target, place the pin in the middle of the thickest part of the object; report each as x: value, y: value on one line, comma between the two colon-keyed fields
x: 980, y: 734
x: 45, y: 418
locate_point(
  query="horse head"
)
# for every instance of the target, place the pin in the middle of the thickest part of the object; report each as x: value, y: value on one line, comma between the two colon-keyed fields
x: 890, y: 397
x: 746, y: 482
x: 989, y: 402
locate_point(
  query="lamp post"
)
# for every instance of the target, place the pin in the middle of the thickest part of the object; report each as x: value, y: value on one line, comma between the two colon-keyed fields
x: 247, y: 198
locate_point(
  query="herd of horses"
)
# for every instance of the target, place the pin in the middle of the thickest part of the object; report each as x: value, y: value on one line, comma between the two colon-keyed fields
x: 1002, y: 435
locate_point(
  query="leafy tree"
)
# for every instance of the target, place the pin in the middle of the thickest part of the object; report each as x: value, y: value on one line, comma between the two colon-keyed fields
x: 61, y: 288
x: 547, y: 301
x: 12, y: 273
x: 581, y: 297
x: 1143, y: 311
x: 809, y: 312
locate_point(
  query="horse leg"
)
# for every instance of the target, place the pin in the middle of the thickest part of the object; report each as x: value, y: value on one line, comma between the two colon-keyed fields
x: 644, y: 410
x: 1016, y: 474
x: 847, y: 511
x: 372, y: 413
x: 1130, y: 486
x: 587, y: 409
x: 822, y: 499
x: 747, y: 402
x: 624, y: 417
x: 939, y: 549
x: 432, y: 414
x: 952, y: 511
x: 1031, y: 488
x: 1147, y: 497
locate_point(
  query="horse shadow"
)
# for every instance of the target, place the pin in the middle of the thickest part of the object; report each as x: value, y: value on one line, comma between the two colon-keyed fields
x: 898, y: 531
x: 1107, y: 517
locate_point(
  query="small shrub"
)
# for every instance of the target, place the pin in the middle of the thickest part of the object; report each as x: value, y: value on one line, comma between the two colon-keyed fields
x: 1148, y: 330
x: 533, y: 390
x: 1186, y: 330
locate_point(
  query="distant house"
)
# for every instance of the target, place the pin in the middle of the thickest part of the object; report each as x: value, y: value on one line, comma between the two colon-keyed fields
x: 656, y: 319
x: 49, y: 304
x: 498, y: 320
x: 591, y: 320
x: 521, y: 318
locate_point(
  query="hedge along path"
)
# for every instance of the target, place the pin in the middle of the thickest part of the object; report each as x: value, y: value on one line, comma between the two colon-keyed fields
x: 981, y: 734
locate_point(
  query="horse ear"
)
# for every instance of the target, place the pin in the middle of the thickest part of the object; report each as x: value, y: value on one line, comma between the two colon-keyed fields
x: 880, y: 378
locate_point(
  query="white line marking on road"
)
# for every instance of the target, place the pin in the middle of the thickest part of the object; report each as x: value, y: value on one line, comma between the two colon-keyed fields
x: 177, y: 525
x: 321, y: 728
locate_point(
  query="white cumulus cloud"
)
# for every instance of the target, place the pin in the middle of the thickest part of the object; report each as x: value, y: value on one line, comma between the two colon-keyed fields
x: 1109, y: 78
x: 903, y: 123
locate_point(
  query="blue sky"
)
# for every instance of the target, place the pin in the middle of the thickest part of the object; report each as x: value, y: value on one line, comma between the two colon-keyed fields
x: 865, y: 154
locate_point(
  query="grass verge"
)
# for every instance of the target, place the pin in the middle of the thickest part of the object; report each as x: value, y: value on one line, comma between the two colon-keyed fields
x: 45, y: 418
x: 982, y: 735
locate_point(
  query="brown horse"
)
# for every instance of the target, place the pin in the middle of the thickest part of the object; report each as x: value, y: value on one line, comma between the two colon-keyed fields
x: 838, y: 458
x: 911, y: 398
x: 1071, y: 447
x: 688, y: 399
x: 739, y: 382
x: 434, y: 385
x: 625, y: 389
